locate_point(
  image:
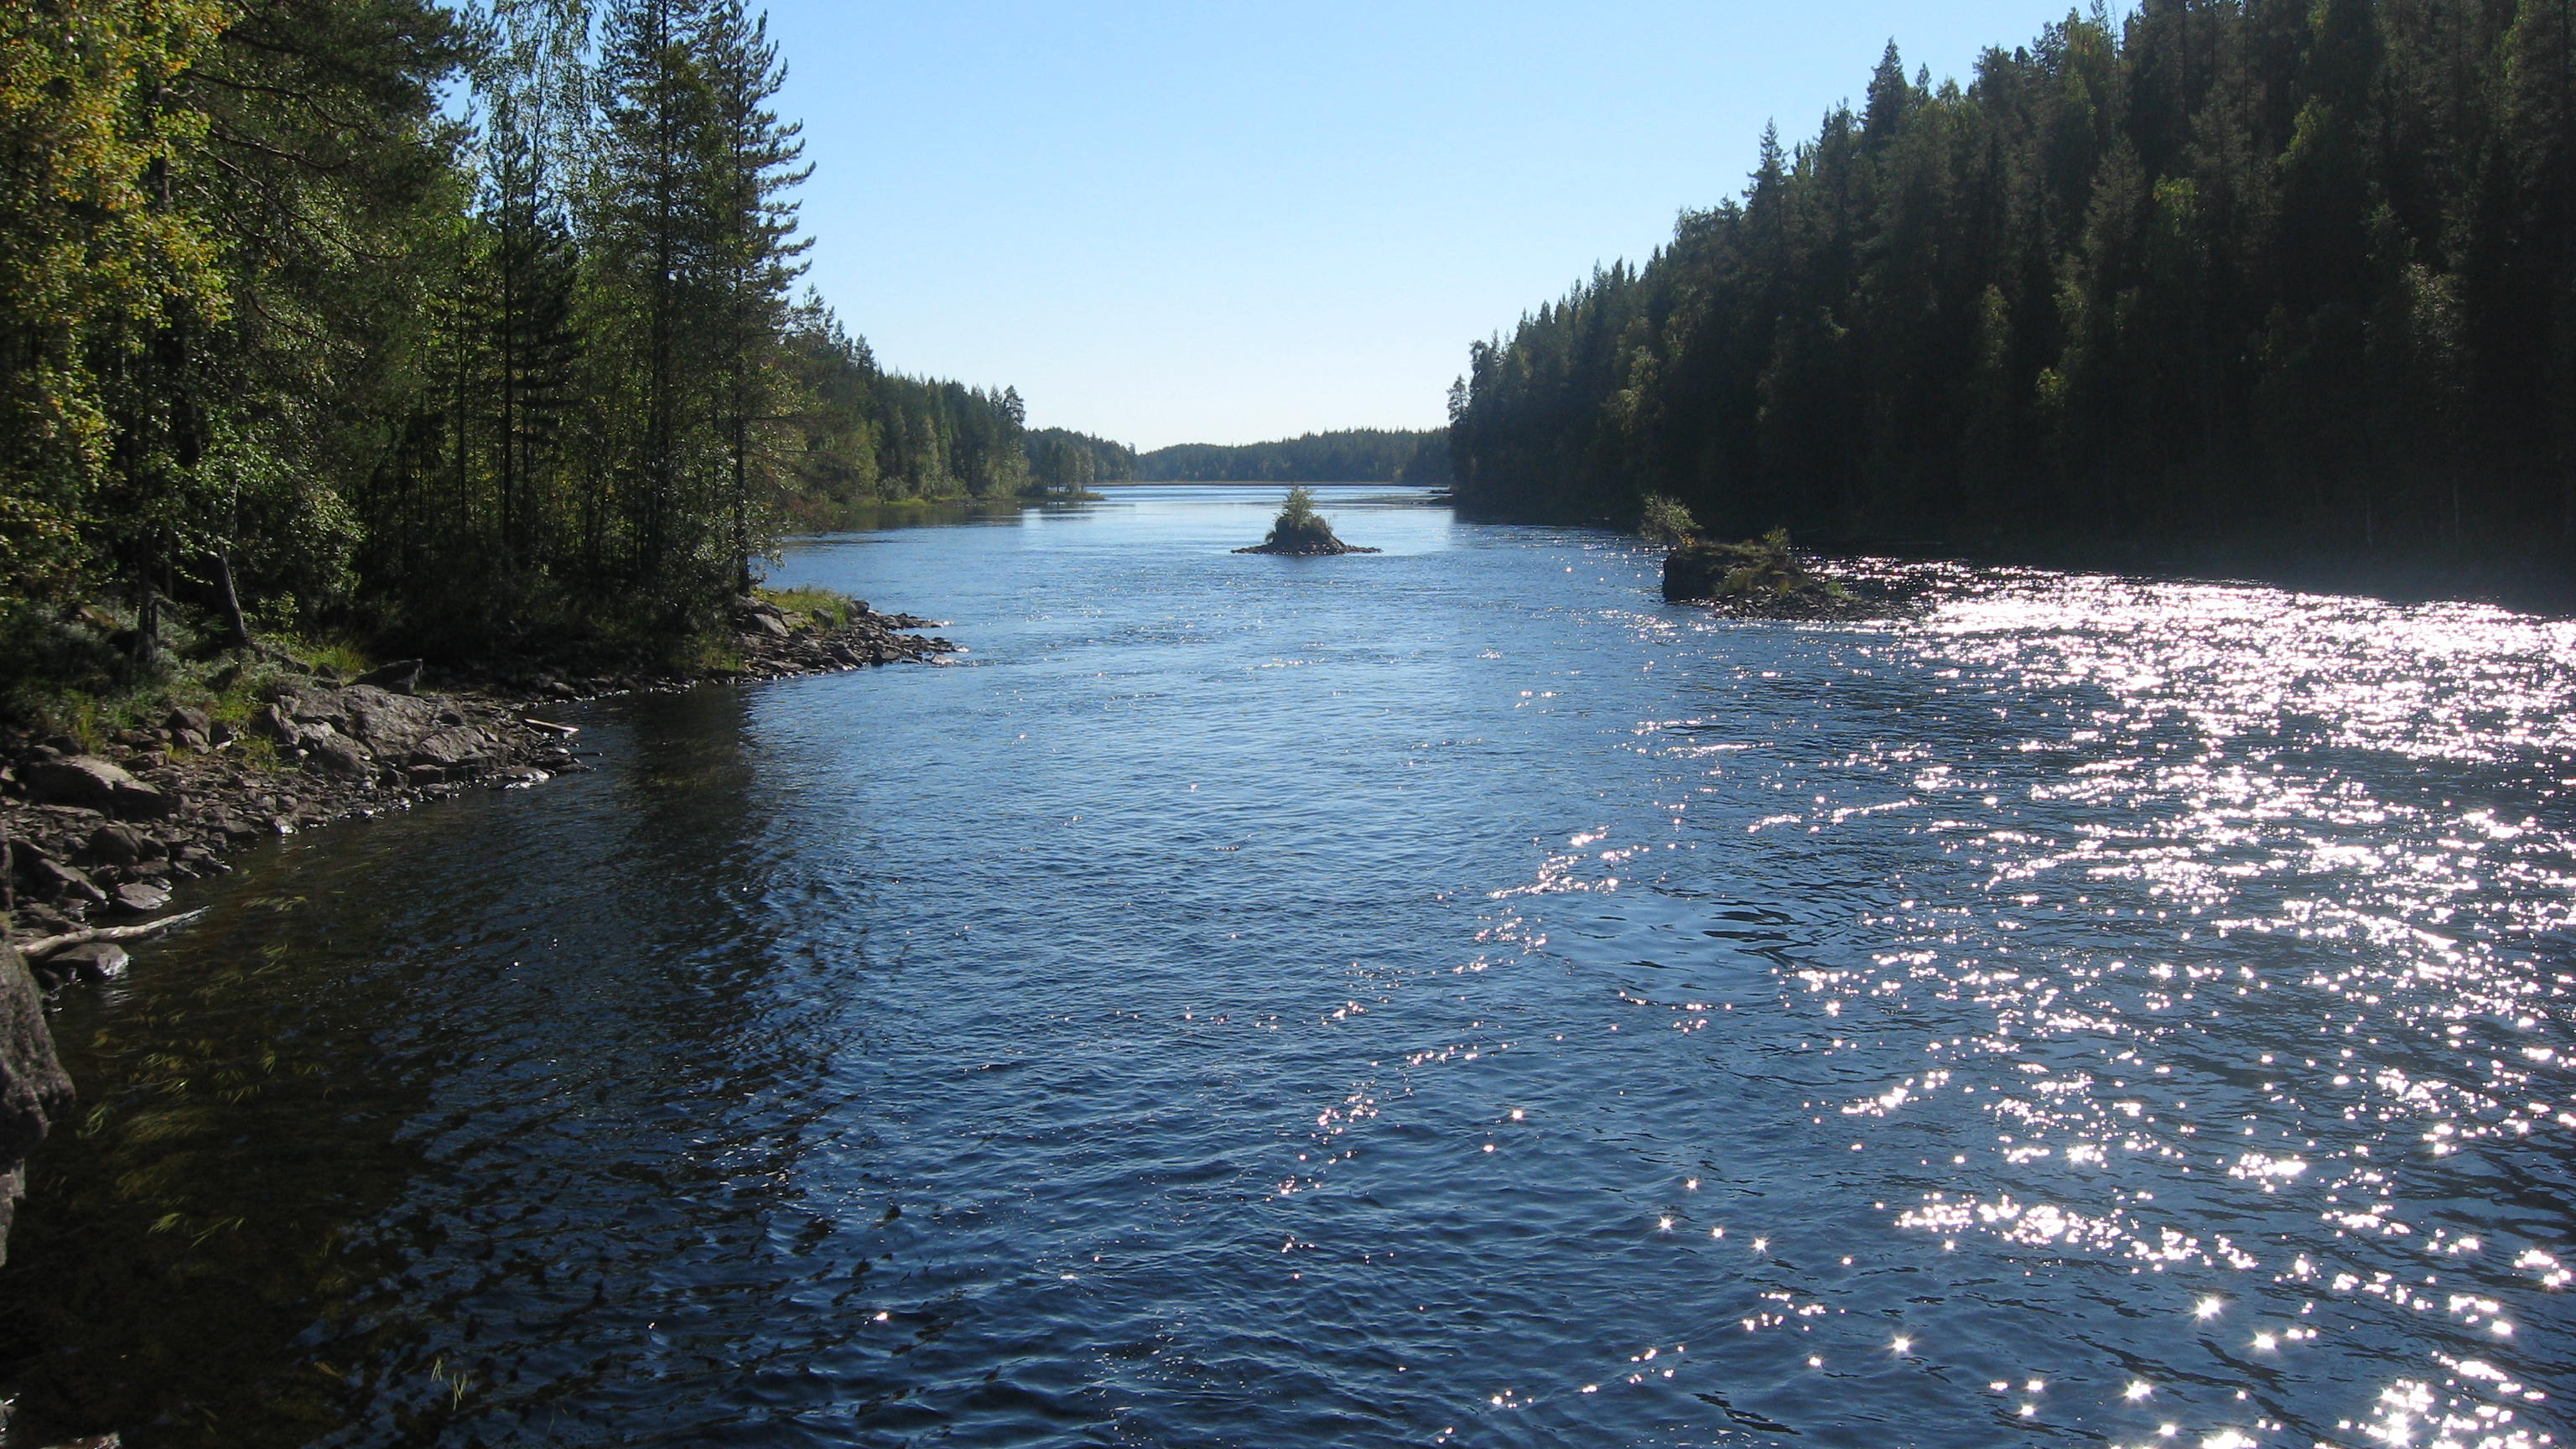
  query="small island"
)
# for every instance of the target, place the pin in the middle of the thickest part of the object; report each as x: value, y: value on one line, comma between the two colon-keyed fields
x: 1759, y: 578
x: 1301, y: 532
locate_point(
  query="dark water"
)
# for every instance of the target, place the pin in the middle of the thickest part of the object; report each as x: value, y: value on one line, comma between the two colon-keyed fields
x: 1440, y: 996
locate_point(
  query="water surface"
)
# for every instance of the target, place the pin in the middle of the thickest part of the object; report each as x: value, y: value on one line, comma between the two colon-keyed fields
x: 1441, y: 996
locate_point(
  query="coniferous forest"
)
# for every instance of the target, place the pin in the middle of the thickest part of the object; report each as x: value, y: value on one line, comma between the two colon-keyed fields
x: 430, y: 324
x: 2299, y: 275
x: 1354, y: 455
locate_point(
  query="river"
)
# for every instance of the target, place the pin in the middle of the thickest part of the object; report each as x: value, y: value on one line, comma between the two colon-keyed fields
x: 1445, y: 996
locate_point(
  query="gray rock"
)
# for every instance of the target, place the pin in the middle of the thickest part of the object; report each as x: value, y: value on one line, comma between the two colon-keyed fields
x: 339, y: 758
x: 769, y: 624
x: 450, y: 749
x: 272, y: 722
x: 57, y: 881
x: 307, y: 705
x: 95, y: 962
x: 387, y: 724
x: 400, y: 677
x: 120, y: 845
x: 185, y: 721
x: 94, y: 784
x: 141, y: 898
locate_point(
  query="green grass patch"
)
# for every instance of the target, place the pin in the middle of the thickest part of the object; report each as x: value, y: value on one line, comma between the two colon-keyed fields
x: 824, y: 608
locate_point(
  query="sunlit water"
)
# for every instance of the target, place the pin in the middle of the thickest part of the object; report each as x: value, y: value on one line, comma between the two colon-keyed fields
x: 1438, y: 996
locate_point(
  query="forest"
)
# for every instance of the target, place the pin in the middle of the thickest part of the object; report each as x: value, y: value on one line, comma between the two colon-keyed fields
x: 426, y: 325
x: 1357, y: 455
x: 2295, y: 275
x: 1063, y: 463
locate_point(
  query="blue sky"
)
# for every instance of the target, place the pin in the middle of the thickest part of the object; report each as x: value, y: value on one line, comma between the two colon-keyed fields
x: 1221, y: 222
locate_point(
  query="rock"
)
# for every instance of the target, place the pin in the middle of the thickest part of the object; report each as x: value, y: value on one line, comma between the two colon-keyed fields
x: 450, y: 749
x: 337, y: 757
x: 185, y: 721
x: 120, y: 845
x: 98, y: 961
x: 272, y: 722
x: 59, y: 882
x: 43, y: 919
x: 220, y: 733
x: 33, y: 1089
x: 424, y: 776
x: 400, y: 677
x: 93, y: 783
x: 765, y: 625
x: 311, y: 706
x: 141, y: 898
x: 192, y: 741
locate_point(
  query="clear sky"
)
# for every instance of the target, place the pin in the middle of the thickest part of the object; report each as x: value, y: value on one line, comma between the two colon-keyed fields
x: 1224, y: 222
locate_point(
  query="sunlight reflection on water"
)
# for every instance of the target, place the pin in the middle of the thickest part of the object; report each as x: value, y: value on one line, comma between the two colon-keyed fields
x: 1448, y: 996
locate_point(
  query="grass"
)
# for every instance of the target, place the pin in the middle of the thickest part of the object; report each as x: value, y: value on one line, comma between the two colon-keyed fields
x: 72, y: 676
x: 824, y: 608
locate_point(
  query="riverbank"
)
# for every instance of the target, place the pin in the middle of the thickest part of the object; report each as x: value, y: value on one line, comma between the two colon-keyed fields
x: 98, y: 830
x: 95, y: 835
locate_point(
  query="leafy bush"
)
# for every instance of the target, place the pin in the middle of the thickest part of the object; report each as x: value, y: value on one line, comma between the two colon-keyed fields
x: 1662, y: 519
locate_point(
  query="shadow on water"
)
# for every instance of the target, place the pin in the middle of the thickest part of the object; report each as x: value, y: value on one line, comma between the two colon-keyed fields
x: 228, y: 1250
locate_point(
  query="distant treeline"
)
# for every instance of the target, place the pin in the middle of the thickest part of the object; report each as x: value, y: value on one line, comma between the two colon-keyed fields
x: 1359, y: 455
x: 2302, y: 273
x: 1062, y: 462
x: 434, y: 322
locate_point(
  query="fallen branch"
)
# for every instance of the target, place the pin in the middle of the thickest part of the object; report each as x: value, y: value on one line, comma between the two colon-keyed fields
x: 44, y: 946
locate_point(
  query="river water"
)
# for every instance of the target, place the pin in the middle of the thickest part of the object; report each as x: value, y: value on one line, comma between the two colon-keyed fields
x: 1441, y: 996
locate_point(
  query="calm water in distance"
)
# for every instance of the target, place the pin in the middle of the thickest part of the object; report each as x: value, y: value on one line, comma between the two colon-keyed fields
x: 1438, y: 997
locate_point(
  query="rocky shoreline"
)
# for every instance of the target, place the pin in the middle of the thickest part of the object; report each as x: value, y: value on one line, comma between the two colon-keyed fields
x: 92, y: 841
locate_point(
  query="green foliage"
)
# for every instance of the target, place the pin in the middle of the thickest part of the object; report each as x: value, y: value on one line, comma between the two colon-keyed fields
x: 825, y: 608
x: 1064, y: 464
x: 287, y: 342
x: 1663, y: 519
x: 2301, y: 273
x: 1764, y: 565
x: 1360, y: 455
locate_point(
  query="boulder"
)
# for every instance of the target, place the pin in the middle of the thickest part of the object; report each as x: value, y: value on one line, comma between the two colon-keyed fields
x: 184, y: 721
x: 387, y: 724
x: 400, y: 677
x: 307, y: 705
x: 56, y: 881
x: 141, y: 898
x: 272, y: 722
x: 33, y: 1089
x: 95, y: 962
x: 337, y: 756
x: 94, y: 784
x: 120, y: 845
x: 768, y: 624
x: 451, y: 749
